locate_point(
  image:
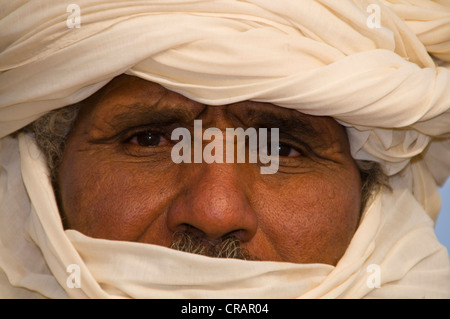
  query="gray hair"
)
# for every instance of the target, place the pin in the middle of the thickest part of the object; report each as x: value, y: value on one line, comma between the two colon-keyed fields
x: 51, y: 131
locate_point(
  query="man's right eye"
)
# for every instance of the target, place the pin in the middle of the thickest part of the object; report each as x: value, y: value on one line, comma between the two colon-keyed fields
x: 148, y: 139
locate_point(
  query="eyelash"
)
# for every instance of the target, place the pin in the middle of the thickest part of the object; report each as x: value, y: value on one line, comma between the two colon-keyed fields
x: 298, y: 145
x: 157, y: 135
x: 129, y: 137
x: 291, y: 148
x: 285, y: 141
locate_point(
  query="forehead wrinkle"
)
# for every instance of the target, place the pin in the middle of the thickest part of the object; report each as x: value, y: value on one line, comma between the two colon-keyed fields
x: 180, y: 105
x: 283, y: 119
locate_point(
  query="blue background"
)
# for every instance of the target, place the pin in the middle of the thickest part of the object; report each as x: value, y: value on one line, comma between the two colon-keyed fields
x: 443, y: 223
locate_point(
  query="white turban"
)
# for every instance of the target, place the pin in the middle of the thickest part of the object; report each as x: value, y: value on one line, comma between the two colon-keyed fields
x: 387, y: 81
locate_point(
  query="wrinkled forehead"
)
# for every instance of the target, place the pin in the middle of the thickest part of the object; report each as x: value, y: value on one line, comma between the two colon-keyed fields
x: 127, y: 100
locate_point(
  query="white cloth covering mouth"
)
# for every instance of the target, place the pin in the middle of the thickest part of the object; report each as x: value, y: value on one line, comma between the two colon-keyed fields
x: 390, y: 86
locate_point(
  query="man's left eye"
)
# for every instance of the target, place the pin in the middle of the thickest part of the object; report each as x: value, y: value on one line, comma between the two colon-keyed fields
x: 148, y: 139
x: 286, y: 150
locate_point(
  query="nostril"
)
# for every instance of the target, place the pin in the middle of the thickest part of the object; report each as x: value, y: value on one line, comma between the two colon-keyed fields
x: 198, y: 234
x: 239, y: 234
x: 191, y: 230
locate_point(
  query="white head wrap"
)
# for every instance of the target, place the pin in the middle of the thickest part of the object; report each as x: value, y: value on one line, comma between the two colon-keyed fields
x: 388, y: 84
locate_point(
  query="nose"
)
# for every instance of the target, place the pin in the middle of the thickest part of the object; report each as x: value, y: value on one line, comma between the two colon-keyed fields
x: 214, y: 203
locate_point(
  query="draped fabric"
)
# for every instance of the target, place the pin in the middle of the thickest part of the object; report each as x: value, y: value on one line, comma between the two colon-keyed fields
x: 389, y: 85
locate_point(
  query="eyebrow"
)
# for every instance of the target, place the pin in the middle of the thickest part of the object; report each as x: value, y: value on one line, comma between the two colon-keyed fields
x: 139, y: 113
x: 293, y: 125
x: 150, y: 114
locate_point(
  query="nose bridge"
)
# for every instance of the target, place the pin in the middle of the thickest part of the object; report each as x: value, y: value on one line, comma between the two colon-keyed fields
x: 220, y: 188
x: 215, y: 202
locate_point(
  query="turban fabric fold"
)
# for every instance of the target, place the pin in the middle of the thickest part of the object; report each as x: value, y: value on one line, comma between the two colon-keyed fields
x: 388, y: 84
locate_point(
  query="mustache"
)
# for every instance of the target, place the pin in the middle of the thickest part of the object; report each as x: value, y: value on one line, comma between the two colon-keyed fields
x: 227, y: 247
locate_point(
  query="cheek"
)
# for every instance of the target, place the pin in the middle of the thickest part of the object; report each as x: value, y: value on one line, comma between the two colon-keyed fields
x: 113, y: 200
x: 314, y: 219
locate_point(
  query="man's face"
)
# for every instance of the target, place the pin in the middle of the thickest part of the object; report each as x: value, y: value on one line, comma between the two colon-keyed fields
x: 117, y: 179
